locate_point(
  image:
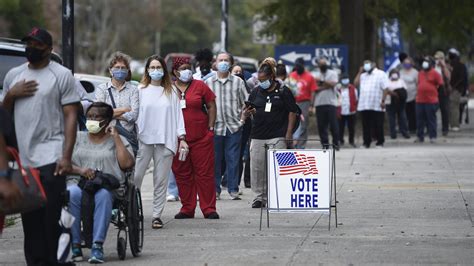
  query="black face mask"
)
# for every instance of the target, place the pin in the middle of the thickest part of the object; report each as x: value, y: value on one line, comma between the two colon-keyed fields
x: 299, y: 69
x: 205, y: 70
x: 35, y: 55
x: 323, y: 68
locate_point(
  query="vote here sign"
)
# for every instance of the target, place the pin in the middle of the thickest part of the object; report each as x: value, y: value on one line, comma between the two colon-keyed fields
x: 299, y: 180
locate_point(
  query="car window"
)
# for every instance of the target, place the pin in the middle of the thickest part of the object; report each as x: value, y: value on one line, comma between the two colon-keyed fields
x: 8, y: 62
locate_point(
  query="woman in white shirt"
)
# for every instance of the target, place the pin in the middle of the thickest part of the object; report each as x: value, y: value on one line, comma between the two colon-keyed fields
x: 160, y: 131
x: 395, y: 101
x: 410, y: 76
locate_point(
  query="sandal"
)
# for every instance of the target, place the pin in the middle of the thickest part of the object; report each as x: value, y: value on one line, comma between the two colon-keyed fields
x: 157, y: 223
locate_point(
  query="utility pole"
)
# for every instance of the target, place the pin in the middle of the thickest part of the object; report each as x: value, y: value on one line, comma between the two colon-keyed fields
x: 224, y: 24
x: 68, y: 33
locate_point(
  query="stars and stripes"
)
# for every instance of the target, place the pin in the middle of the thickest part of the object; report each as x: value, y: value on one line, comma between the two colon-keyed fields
x: 290, y: 163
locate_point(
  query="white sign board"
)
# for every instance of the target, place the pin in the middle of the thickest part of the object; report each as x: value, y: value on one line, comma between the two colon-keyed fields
x: 257, y: 36
x: 299, y: 180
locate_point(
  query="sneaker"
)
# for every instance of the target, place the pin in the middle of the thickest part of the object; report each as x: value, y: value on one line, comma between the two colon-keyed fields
x: 97, y: 254
x: 433, y: 141
x: 212, y: 215
x: 380, y: 146
x: 182, y: 215
x: 257, y: 204
x: 218, y: 196
x: 171, y: 198
x: 235, y: 195
x: 157, y: 223
x: 418, y: 140
x: 455, y: 129
x: 77, y: 254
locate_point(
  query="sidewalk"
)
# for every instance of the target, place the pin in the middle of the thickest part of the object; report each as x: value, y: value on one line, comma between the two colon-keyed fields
x: 403, y: 204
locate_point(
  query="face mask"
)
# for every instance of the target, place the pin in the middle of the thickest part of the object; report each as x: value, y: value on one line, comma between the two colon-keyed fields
x: 299, y: 69
x: 205, y: 70
x: 323, y: 68
x: 367, y: 67
x: 34, y: 55
x: 345, y: 82
x: 93, y: 126
x: 185, y: 75
x: 265, y: 84
x: 120, y: 74
x: 223, y: 66
x: 394, y: 76
x: 156, y: 74
x: 407, y: 66
x: 425, y: 65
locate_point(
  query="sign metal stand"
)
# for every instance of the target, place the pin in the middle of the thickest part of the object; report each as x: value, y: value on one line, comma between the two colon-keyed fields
x: 332, y: 193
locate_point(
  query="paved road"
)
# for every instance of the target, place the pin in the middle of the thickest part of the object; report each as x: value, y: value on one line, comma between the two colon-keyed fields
x: 403, y: 204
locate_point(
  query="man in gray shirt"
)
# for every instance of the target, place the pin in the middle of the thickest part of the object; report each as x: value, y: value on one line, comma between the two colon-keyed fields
x: 325, y: 102
x: 41, y: 96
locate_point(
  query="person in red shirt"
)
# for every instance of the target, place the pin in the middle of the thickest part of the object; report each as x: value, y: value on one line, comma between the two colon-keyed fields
x: 427, y: 100
x: 303, y: 85
x: 195, y: 175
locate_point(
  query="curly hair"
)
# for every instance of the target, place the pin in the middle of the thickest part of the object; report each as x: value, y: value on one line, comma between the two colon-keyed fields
x: 119, y: 57
x: 204, y: 54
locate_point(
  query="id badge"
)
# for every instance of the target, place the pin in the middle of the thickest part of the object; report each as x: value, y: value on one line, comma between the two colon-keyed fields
x: 182, y: 103
x: 268, y: 107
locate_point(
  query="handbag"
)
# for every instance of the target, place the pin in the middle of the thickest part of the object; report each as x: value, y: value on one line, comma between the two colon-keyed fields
x: 29, y: 183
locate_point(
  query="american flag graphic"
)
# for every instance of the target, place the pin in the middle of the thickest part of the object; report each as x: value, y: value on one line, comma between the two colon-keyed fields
x: 290, y: 163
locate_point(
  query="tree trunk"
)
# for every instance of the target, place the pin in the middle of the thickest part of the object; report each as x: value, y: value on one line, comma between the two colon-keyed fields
x: 352, y: 29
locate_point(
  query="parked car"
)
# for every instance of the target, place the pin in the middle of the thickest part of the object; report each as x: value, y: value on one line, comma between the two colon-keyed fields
x: 247, y: 63
x: 12, y: 54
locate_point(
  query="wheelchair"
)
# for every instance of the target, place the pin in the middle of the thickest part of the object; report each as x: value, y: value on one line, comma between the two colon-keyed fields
x: 129, y: 218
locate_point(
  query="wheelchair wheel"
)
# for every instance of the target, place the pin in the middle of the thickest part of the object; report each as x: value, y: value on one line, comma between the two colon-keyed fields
x: 121, y: 248
x: 135, y: 221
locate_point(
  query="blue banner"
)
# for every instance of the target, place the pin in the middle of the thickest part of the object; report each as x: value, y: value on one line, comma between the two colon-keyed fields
x: 392, y: 43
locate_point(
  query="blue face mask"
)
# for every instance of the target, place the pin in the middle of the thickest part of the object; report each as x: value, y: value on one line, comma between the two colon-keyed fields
x: 265, y: 84
x: 223, y: 66
x: 156, y: 74
x: 345, y: 82
x: 119, y: 74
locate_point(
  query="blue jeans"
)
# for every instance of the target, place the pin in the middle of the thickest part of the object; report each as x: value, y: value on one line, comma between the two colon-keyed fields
x: 227, y: 147
x: 172, y: 187
x: 426, y: 117
x: 397, y: 111
x: 102, y: 213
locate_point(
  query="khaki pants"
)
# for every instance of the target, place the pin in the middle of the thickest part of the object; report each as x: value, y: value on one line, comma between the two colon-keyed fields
x: 257, y: 165
x: 454, y: 99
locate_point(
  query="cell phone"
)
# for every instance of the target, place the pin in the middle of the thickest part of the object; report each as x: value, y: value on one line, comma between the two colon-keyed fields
x: 251, y: 104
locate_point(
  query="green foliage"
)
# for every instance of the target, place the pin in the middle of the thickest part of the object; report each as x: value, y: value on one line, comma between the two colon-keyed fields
x: 21, y: 16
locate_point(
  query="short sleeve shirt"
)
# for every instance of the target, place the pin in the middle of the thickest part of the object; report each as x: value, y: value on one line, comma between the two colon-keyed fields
x: 327, y: 96
x: 102, y: 156
x: 39, y: 119
x: 428, y: 83
x: 411, y: 80
x: 196, y: 120
x: 302, y: 85
x: 372, y: 86
x: 273, y: 124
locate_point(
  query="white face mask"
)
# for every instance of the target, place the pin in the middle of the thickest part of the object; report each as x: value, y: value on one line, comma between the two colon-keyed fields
x: 367, y: 67
x: 425, y: 65
x: 394, y: 76
x: 93, y: 126
x: 185, y: 75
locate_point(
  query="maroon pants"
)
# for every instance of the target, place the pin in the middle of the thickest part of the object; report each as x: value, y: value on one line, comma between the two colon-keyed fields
x: 195, y: 177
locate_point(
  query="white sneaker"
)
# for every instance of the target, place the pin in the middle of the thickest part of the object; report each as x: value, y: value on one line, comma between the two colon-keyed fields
x: 171, y: 198
x: 455, y: 129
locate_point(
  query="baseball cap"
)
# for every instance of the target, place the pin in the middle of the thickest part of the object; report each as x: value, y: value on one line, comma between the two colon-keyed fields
x: 40, y: 35
x: 454, y: 51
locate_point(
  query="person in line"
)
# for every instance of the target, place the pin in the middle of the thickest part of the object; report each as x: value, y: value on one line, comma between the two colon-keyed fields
x: 372, y: 83
x: 443, y: 90
x: 122, y: 96
x: 409, y: 75
x: 274, y: 118
x: 303, y: 85
x: 160, y: 131
x: 325, y: 102
x: 231, y: 94
x: 203, y: 59
x: 427, y: 100
x: 347, y: 111
x: 99, y: 148
x: 395, y: 101
x: 195, y: 174
x: 459, y: 85
x: 9, y: 192
x: 244, y: 158
x: 41, y: 96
